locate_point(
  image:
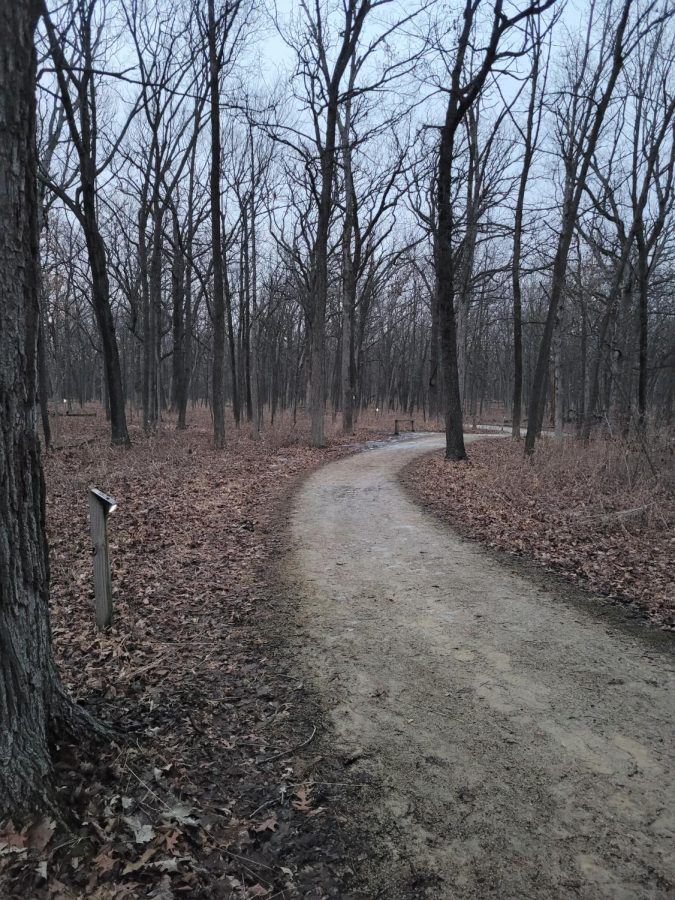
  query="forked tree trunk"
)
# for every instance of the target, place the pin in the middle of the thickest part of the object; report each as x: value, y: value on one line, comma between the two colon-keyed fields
x: 30, y: 691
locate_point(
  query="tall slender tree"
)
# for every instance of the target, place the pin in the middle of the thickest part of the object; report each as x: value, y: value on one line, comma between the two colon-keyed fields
x: 219, y: 49
x: 529, y: 137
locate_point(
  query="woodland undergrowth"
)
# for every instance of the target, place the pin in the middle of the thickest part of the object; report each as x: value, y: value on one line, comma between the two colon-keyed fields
x: 198, y: 797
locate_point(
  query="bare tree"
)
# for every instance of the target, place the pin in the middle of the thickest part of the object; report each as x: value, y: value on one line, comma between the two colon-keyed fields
x: 530, y: 137
x: 590, y: 95
x: 463, y: 92
x: 221, y: 39
x: 323, y: 78
x: 79, y: 97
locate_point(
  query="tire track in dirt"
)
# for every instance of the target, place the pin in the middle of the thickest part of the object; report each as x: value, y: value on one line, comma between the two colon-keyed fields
x: 525, y: 743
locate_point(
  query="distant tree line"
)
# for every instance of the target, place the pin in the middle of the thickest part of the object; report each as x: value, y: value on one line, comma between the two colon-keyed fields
x: 424, y: 212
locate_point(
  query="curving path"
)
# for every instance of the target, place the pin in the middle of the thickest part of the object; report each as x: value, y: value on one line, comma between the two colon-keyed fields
x: 525, y: 741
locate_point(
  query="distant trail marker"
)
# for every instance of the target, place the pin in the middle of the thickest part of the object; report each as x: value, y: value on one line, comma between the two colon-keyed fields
x: 100, y: 507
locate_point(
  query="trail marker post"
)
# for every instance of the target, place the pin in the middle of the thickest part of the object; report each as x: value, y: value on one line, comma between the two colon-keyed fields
x: 100, y: 507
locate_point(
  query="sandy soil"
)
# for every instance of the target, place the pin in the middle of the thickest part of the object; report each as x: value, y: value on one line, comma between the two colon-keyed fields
x: 523, y: 738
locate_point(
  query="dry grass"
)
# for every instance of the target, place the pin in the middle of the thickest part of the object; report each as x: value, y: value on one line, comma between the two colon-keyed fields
x: 602, y: 514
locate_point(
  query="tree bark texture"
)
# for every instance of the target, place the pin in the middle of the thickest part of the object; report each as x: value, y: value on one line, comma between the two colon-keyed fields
x: 29, y: 687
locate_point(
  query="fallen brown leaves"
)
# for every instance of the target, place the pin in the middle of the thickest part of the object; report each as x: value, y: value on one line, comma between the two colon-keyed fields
x: 196, y: 794
x: 596, y: 514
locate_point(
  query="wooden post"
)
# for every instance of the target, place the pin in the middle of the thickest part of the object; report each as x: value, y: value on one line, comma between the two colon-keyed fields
x: 100, y: 505
x: 396, y: 426
x: 412, y: 424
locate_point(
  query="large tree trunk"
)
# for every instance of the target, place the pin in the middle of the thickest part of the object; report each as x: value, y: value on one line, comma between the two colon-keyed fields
x: 454, y: 432
x: 30, y: 692
x: 319, y: 292
x: 245, y: 306
x: 256, y: 385
x: 445, y: 291
x: 434, y: 368
x: 539, y: 386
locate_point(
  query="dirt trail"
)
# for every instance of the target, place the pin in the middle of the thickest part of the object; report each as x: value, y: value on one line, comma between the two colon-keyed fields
x: 525, y: 743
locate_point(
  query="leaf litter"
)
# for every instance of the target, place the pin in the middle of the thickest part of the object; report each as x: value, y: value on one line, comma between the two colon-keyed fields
x: 595, y: 514
x: 190, y: 679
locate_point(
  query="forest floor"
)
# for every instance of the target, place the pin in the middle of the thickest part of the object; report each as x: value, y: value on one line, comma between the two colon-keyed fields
x: 445, y: 719
x: 520, y: 731
x: 602, y: 515
x: 198, y: 794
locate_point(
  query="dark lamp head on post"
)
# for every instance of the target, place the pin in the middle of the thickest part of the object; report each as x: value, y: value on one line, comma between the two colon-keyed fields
x: 108, y: 503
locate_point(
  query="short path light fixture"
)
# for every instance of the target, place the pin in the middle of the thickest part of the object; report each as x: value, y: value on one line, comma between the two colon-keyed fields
x: 100, y: 506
